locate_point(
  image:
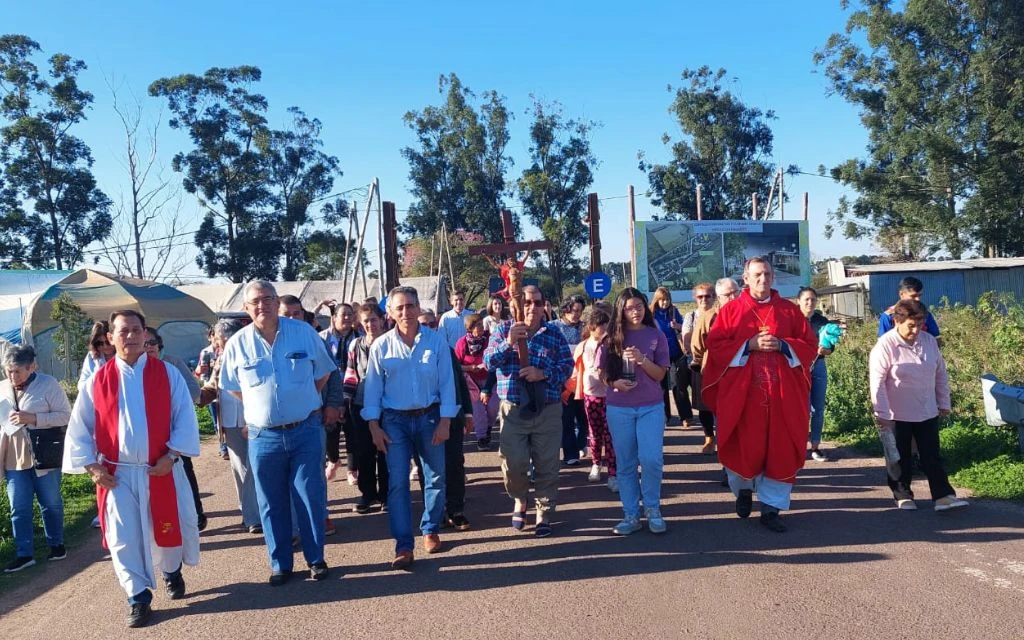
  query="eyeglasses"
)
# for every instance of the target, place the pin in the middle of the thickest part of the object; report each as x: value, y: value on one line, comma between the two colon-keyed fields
x: 266, y: 301
x: 533, y: 303
x: 151, y: 343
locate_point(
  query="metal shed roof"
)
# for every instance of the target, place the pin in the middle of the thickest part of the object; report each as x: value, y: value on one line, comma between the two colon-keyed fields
x: 940, y: 265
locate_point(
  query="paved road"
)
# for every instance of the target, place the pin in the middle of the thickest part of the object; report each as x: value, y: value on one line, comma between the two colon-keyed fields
x: 851, y: 566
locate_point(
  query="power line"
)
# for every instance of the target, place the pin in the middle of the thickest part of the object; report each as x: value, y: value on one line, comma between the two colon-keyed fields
x: 131, y: 245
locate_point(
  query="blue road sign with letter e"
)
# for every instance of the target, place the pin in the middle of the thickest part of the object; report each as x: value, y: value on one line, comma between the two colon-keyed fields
x: 598, y: 284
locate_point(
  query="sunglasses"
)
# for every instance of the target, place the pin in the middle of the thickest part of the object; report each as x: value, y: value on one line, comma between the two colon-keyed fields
x: 704, y: 297
x: 151, y: 343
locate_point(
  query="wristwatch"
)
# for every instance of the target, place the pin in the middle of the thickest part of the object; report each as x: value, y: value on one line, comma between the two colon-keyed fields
x: 173, y: 456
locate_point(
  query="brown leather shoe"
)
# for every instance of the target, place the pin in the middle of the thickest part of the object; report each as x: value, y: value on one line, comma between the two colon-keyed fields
x: 709, y: 446
x: 403, y: 560
x: 431, y: 543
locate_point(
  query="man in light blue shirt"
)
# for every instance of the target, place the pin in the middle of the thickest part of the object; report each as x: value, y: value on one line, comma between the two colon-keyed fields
x: 277, y: 368
x: 408, y: 401
x: 453, y: 322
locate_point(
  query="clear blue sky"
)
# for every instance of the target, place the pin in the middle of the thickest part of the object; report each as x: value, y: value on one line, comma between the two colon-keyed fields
x: 360, y: 66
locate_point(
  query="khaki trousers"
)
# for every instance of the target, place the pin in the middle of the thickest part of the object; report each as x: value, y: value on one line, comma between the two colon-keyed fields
x: 538, y: 440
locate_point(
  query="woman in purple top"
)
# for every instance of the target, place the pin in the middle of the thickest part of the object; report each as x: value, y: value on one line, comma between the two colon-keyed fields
x: 636, y: 362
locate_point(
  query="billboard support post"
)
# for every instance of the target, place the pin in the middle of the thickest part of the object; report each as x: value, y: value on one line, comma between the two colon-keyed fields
x: 700, y: 201
x: 632, y: 236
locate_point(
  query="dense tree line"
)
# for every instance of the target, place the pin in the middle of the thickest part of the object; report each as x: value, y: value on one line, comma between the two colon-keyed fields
x: 938, y: 85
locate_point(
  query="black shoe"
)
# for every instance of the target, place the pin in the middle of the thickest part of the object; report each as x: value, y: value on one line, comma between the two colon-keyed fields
x: 278, y: 578
x: 744, y: 503
x: 18, y: 564
x: 318, y: 570
x: 363, y: 506
x: 255, y: 529
x: 459, y: 521
x: 139, y: 615
x: 483, y: 444
x: 174, y: 583
x: 202, y: 521
x: 772, y: 521
x: 572, y: 462
x: 57, y: 553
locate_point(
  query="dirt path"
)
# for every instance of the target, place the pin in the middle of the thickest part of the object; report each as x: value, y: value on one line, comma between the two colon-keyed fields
x: 851, y: 566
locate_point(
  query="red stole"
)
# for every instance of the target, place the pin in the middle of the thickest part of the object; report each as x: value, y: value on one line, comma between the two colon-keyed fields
x: 163, y: 499
x: 762, y: 409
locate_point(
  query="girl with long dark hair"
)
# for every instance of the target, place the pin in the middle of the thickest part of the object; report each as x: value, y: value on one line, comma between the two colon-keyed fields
x: 637, y: 361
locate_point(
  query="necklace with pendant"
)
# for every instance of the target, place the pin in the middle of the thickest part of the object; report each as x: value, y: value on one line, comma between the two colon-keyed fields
x: 763, y: 328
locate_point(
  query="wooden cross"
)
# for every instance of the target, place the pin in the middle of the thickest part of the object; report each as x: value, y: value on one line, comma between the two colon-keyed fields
x: 507, y: 247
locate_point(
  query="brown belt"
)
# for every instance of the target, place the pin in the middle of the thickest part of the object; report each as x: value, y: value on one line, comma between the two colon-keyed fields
x: 291, y: 425
x: 417, y: 412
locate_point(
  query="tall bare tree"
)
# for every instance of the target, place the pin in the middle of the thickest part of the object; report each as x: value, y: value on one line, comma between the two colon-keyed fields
x: 145, y: 240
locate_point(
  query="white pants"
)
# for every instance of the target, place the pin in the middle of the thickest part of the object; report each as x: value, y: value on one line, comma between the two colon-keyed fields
x: 129, y: 529
x: 770, y: 492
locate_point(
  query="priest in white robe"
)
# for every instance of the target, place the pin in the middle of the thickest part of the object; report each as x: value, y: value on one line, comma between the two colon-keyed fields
x: 130, y: 424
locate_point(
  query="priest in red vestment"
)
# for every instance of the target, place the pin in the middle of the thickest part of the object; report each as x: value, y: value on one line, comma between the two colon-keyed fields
x: 131, y: 423
x: 757, y: 382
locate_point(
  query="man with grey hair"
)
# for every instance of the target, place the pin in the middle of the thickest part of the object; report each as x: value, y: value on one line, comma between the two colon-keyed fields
x: 408, y: 401
x: 760, y: 349
x: 277, y: 367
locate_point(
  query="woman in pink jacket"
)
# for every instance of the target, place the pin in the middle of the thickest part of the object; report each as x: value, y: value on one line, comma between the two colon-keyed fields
x: 910, y: 392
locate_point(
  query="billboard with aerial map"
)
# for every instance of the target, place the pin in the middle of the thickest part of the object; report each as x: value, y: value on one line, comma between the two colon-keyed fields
x: 678, y: 254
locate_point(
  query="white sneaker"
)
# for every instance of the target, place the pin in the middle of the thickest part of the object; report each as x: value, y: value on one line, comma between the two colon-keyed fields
x: 613, y: 484
x: 595, y: 473
x: 655, y: 523
x: 950, y: 502
x: 584, y: 453
x: 626, y: 527
x: 816, y: 454
x: 906, y: 504
x: 414, y: 474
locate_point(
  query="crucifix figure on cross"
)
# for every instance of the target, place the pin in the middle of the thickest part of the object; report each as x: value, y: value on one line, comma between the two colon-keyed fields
x: 511, y: 270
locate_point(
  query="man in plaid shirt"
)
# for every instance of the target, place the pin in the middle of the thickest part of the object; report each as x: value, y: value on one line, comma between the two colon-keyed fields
x: 531, y: 408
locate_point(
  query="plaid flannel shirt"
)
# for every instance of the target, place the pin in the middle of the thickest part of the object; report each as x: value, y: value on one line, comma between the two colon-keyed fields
x: 549, y: 352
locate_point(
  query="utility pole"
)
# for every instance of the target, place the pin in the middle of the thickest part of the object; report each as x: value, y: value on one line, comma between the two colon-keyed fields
x: 593, y: 219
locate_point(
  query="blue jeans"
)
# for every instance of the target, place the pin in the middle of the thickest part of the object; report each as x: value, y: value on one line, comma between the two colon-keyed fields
x: 22, y: 486
x: 288, y: 466
x: 638, y: 437
x: 819, y: 383
x: 412, y: 435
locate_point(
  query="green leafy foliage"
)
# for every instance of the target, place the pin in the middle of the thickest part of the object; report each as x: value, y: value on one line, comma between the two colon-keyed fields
x: 52, y: 208
x: 71, y: 338
x: 553, y: 189
x: 723, y: 148
x: 457, y: 170
x: 938, y: 88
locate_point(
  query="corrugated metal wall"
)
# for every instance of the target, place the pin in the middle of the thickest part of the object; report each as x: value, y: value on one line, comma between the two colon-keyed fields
x: 937, y: 284
x: 959, y: 286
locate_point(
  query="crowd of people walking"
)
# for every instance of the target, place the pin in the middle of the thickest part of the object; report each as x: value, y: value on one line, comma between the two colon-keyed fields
x: 397, y: 388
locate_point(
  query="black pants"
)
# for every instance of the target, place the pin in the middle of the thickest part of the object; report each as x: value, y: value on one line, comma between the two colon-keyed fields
x: 574, y: 430
x: 370, y: 463
x: 679, y: 378
x: 454, y: 469
x: 707, y: 420
x: 927, y: 435
x: 190, y: 473
x: 333, y: 441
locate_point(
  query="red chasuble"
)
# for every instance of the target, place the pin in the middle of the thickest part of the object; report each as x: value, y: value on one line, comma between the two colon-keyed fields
x: 163, y: 499
x: 762, y: 409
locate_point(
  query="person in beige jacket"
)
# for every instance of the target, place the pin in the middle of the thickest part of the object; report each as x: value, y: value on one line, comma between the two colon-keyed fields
x: 725, y: 291
x: 31, y: 401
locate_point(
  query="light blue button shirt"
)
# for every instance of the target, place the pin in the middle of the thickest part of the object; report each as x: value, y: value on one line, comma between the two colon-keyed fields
x: 398, y: 377
x: 453, y: 325
x: 277, y: 382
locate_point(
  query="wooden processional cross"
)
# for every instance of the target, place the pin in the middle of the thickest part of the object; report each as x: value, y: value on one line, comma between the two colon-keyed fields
x: 509, y: 247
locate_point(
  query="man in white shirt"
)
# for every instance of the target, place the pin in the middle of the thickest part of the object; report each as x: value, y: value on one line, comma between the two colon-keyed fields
x: 453, y: 322
x: 131, y: 423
